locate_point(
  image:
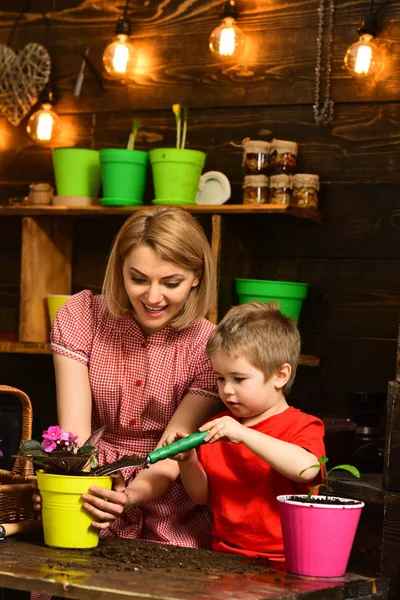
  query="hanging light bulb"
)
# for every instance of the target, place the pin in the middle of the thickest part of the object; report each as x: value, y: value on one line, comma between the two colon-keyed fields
x: 227, y: 40
x: 119, y: 57
x: 44, y: 125
x: 364, y: 59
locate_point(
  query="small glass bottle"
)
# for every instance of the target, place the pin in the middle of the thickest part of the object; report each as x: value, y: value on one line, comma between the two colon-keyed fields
x: 280, y: 189
x: 255, y: 157
x: 283, y: 157
x: 255, y: 189
x: 305, y: 190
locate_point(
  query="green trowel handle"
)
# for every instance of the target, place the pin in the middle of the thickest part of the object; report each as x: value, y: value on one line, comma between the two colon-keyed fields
x: 191, y: 441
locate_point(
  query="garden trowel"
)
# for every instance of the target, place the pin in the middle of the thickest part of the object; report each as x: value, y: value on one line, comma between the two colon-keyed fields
x: 133, y: 460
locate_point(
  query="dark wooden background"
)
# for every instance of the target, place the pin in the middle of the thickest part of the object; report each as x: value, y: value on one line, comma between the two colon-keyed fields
x: 351, y: 259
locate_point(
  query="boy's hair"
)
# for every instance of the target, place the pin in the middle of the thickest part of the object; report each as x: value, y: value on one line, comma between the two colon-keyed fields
x: 175, y: 236
x: 262, y: 334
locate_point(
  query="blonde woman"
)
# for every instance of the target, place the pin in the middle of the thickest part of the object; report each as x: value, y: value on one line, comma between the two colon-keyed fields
x: 133, y: 359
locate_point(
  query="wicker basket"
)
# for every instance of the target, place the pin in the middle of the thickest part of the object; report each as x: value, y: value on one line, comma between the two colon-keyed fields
x: 16, y: 486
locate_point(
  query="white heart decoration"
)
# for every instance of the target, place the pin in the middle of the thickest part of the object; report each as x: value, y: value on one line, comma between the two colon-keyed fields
x: 23, y: 76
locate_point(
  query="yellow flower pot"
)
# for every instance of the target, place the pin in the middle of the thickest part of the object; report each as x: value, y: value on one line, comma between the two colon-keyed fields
x: 66, y: 524
x: 54, y: 302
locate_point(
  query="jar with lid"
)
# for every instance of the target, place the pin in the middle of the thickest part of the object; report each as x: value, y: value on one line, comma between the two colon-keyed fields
x: 282, y: 157
x: 256, y: 157
x: 280, y: 189
x: 305, y: 190
x: 255, y: 189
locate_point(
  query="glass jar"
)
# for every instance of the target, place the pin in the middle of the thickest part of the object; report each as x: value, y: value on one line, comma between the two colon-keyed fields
x: 255, y: 157
x: 255, y: 189
x: 282, y: 157
x: 280, y: 189
x: 305, y: 190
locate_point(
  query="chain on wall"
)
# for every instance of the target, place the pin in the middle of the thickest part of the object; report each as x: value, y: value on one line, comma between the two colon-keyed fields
x: 323, y: 113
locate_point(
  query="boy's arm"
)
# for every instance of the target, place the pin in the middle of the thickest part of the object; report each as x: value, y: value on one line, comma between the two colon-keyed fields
x: 286, y: 458
x: 194, y: 479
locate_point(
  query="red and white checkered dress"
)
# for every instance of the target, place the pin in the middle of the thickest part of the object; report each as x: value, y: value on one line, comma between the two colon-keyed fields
x: 137, y: 383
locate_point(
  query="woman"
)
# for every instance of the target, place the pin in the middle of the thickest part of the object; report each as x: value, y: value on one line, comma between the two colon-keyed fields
x: 133, y: 360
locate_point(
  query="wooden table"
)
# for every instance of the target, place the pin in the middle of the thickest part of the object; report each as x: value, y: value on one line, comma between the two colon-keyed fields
x: 27, y: 564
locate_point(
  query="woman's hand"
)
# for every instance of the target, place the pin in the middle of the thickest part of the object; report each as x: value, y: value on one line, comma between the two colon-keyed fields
x: 37, y: 502
x: 224, y: 428
x: 107, y: 505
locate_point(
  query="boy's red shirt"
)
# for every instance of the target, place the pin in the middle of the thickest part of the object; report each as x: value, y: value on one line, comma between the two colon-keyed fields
x: 244, y: 487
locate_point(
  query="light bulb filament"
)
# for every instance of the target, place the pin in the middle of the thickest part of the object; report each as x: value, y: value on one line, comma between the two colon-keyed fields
x: 44, y: 127
x: 227, y: 42
x: 120, y: 59
x: 363, y: 60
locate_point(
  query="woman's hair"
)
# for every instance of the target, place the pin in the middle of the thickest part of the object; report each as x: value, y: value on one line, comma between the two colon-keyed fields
x: 176, y: 237
x: 260, y: 333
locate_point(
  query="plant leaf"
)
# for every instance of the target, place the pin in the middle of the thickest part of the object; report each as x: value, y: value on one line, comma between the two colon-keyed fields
x: 86, y: 450
x: 32, y: 445
x: 314, y: 488
x: 353, y: 470
x: 177, y: 110
x: 318, y: 466
x: 95, y: 437
x: 133, y: 134
x: 185, y: 111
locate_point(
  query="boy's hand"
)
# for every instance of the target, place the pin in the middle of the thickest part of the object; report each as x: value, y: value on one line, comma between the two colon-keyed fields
x: 182, y: 456
x: 224, y: 428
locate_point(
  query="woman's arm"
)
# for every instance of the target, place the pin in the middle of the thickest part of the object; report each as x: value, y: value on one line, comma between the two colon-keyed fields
x: 74, y: 396
x: 193, y: 476
x: 154, y: 482
x: 74, y: 401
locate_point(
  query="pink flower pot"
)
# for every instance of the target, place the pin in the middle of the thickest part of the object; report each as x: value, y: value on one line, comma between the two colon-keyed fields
x: 318, y: 538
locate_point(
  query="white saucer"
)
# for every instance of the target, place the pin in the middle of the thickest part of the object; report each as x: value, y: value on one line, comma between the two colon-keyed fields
x: 214, y: 188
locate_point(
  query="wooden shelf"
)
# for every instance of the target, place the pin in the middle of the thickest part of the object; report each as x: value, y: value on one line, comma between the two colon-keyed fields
x: 222, y: 209
x: 13, y: 347
x: 48, y: 232
x: 307, y: 360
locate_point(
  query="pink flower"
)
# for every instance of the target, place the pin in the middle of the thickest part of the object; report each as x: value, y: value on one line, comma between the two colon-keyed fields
x: 49, y: 445
x: 71, y: 437
x: 53, y: 433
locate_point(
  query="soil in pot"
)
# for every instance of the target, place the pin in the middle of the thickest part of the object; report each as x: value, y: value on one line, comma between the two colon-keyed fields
x: 323, y: 500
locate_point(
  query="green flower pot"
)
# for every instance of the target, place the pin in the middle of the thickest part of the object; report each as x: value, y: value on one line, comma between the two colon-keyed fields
x: 176, y: 174
x: 123, y: 175
x: 77, y: 172
x: 289, y: 295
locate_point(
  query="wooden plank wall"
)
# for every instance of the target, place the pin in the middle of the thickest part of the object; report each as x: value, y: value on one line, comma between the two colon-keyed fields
x: 351, y: 259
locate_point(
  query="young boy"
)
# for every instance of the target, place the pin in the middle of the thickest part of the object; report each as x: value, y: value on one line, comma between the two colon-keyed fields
x: 257, y: 448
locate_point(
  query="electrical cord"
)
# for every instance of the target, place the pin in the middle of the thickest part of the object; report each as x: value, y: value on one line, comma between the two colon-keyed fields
x: 16, y: 22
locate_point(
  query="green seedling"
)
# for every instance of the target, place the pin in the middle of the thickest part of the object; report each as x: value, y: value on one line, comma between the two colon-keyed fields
x: 181, y: 116
x: 133, y: 134
x: 325, y: 483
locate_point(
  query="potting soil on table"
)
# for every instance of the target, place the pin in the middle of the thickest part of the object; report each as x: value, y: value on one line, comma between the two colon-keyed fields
x: 141, y: 555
